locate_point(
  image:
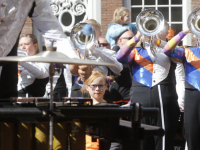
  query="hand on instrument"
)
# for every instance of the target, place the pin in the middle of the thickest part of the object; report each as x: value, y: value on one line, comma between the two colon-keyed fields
x: 21, y: 52
x: 81, y: 70
x: 181, y: 108
x: 84, y: 71
x: 186, y: 30
x: 138, y: 35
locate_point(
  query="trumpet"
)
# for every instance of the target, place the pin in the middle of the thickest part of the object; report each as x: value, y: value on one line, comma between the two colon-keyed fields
x: 150, y: 22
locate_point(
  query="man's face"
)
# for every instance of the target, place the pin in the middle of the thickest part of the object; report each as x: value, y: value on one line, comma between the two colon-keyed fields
x: 125, y: 37
x: 103, y: 43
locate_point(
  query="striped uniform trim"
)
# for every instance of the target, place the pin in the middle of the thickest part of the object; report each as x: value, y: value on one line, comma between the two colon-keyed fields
x: 147, y: 64
x: 162, y: 116
x: 142, y: 67
x: 192, y: 59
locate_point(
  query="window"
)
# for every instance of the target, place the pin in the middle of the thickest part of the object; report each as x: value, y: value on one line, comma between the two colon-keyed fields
x: 174, y: 11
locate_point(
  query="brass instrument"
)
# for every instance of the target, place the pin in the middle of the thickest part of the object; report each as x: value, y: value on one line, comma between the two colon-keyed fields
x: 150, y: 22
x: 193, y: 23
x: 78, y: 38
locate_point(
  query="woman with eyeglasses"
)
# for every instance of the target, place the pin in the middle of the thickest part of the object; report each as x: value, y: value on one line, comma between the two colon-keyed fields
x: 153, y: 85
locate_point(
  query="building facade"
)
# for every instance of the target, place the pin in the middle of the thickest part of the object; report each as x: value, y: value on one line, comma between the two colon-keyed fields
x: 70, y: 12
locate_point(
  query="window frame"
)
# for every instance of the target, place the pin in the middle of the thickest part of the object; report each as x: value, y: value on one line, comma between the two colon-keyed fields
x: 186, y: 9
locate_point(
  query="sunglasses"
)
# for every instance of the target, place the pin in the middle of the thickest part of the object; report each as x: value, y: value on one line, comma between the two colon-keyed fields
x: 128, y: 38
x: 103, y: 44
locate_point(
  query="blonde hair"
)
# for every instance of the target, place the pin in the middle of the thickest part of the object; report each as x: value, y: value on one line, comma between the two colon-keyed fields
x: 94, y: 24
x: 92, y: 77
x: 120, y: 12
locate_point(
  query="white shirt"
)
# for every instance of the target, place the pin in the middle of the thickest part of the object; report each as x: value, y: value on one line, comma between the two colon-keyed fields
x: 180, y: 79
x: 161, y: 65
x: 31, y: 71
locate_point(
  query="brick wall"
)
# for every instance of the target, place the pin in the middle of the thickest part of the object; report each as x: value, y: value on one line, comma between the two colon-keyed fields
x: 27, y: 29
x: 194, y: 4
x: 107, y: 9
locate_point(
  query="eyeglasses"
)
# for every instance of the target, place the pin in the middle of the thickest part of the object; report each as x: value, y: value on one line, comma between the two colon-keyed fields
x: 128, y: 38
x: 94, y: 86
x: 103, y: 44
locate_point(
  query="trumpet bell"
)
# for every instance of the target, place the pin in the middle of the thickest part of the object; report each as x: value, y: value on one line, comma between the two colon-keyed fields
x: 150, y: 22
x: 78, y: 38
x: 193, y: 21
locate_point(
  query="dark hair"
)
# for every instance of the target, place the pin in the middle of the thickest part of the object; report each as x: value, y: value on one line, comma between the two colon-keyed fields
x: 33, y: 39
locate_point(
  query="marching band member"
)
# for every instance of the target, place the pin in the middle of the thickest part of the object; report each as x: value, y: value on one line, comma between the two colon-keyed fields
x: 34, y: 76
x: 189, y: 56
x: 99, y: 54
x: 153, y: 86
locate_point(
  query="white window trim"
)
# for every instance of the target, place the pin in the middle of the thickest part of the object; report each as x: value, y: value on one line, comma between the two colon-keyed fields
x: 186, y: 11
x: 186, y: 6
x: 94, y: 10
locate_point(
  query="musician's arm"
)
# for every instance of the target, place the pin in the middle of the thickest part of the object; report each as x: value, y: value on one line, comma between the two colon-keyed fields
x: 39, y: 70
x: 73, y: 69
x: 170, y: 46
x: 180, y: 84
x: 125, y: 54
x: 48, y: 25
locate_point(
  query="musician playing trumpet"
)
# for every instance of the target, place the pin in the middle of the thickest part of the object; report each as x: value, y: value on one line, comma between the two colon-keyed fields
x: 99, y: 54
x: 189, y: 56
x: 152, y: 86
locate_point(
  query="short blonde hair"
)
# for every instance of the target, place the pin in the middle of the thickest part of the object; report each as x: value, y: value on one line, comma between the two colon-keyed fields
x: 92, y: 77
x: 94, y: 24
x: 119, y: 12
